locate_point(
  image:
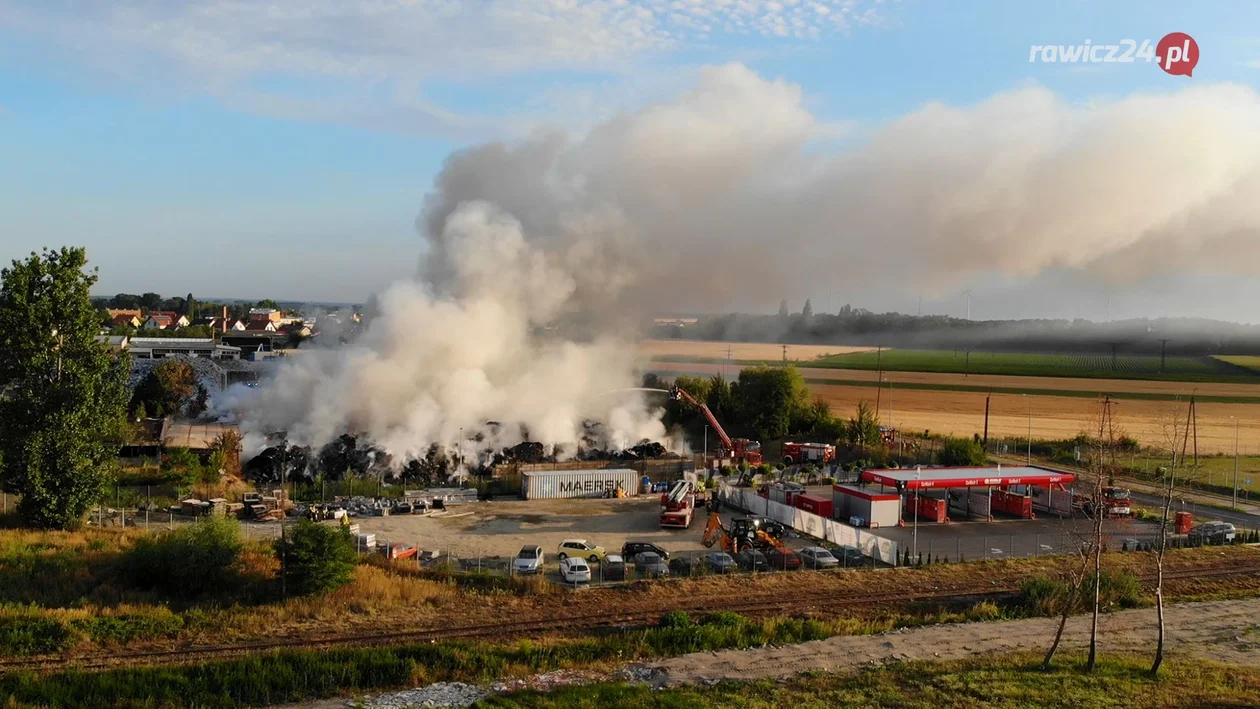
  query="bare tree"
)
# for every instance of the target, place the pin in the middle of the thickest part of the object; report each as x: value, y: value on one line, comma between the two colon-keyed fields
x: 1074, y: 576
x: 1101, y: 467
x: 1171, y: 429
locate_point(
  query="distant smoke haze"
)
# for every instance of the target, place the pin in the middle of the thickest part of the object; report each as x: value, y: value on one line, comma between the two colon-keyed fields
x: 723, y: 197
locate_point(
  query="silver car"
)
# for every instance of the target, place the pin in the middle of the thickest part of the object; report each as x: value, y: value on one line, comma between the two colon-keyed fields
x: 1213, y: 533
x: 817, y: 558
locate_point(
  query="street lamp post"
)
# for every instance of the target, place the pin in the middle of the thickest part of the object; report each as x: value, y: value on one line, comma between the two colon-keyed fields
x: 1029, y: 427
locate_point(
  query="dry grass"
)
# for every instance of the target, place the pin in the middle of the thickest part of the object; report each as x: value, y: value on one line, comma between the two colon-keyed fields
x: 741, y: 350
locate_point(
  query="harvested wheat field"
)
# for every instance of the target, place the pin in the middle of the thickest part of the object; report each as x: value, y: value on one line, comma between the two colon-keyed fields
x: 961, y: 413
x: 741, y: 350
x: 1053, y: 417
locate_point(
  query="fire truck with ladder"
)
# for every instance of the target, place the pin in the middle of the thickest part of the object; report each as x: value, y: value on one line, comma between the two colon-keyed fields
x: 742, y: 450
x: 678, y: 505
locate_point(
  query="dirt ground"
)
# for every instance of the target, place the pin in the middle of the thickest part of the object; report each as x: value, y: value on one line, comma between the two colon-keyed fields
x: 741, y: 350
x: 1224, y: 631
x: 962, y: 413
x: 501, y: 528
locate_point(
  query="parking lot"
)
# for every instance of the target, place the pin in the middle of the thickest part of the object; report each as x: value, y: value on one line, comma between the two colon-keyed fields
x: 971, y: 541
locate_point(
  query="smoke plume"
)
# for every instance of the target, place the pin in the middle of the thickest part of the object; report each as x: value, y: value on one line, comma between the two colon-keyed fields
x: 725, y: 197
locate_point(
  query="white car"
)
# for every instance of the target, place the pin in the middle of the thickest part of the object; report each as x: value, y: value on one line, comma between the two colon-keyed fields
x: 574, y: 570
x: 528, y: 560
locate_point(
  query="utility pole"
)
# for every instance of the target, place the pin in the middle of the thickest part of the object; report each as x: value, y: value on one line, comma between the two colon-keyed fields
x: 785, y: 354
x: 705, y: 457
x: 1237, y: 422
x: 968, y: 294
x: 1163, y: 353
x: 986, y: 416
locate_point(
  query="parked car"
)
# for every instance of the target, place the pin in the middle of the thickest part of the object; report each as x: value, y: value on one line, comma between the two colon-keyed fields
x: 649, y: 564
x: 629, y: 550
x: 528, y: 560
x: 752, y: 560
x: 719, y: 562
x: 575, y: 570
x: 1213, y: 533
x: 818, y: 558
x: 612, y: 568
x: 849, y: 556
x: 783, y: 559
x: 582, y: 549
x: 683, y: 565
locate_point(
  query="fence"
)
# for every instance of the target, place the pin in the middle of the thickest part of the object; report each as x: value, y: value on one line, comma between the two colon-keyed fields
x: 810, y: 524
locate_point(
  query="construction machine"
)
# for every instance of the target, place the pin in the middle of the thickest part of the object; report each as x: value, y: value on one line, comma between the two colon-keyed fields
x: 742, y: 450
x: 743, y: 533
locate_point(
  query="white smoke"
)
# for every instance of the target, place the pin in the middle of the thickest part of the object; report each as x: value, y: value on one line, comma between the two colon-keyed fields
x: 434, y: 364
x: 722, y: 196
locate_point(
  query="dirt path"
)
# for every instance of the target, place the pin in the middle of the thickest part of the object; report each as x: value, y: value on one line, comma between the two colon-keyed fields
x: 1226, y: 631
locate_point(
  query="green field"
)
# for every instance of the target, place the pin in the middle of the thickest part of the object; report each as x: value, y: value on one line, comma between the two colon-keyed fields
x: 1245, y: 361
x: 1037, y: 365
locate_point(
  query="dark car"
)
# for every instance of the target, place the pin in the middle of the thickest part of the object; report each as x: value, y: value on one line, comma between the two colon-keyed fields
x: 649, y: 564
x: 752, y: 560
x: 719, y: 562
x: 630, y: 550
x: 683, y: 566
x: 612, y: 568
x: 849, y: 556
x: 783, y: 559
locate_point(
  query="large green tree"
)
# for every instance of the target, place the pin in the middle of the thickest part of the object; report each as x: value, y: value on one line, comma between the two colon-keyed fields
x: 62, y: 415
x: 167, y: 389
x: 768, y: 399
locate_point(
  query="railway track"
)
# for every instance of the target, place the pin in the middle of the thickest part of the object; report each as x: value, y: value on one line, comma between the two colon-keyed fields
x: 585, y: 624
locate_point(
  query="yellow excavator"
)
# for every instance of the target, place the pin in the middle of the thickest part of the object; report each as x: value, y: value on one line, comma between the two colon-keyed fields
x: 743, y: 533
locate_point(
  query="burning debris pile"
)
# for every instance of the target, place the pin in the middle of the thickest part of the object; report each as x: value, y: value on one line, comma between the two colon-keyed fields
x: 348, y: 455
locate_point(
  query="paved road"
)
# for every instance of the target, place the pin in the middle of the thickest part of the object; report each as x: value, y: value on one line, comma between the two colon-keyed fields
x: 1149, y: 496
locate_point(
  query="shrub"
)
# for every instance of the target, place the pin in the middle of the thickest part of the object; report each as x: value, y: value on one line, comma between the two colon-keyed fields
x: 124, y: 628
x: 316, y: 558
x: 961, y: 452
x: 30, y: 634
x: 187, y: 562
x: 675, y: 619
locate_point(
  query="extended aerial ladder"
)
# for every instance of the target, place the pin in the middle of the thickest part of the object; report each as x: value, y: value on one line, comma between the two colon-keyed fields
x: 678, y: 505
x: 742, y: 450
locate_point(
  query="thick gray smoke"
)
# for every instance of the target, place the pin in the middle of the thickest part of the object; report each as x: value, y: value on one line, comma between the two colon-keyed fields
x: 725, y: 198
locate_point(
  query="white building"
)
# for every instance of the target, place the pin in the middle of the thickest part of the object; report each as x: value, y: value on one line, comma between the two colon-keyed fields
x: 159, y: 347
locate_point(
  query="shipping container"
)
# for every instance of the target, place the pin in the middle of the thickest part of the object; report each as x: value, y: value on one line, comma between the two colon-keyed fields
x: 820, y: 506
x: 551, y: 484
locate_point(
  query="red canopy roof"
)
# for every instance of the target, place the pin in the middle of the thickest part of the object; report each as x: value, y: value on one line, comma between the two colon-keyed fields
x: 926, y: 478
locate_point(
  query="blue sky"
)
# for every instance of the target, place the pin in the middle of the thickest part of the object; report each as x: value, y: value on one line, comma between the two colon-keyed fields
x: 275, y: 150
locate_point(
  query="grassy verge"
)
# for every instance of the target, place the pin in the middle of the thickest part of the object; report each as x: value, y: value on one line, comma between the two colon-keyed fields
x: 295, y: 676
x: 1009, y: 681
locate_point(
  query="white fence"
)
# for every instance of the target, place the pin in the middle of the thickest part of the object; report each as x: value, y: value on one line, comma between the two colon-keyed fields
x: 810, y: 524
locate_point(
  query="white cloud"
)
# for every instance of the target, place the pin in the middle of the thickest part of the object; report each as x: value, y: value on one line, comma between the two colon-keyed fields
x: 405, y: 39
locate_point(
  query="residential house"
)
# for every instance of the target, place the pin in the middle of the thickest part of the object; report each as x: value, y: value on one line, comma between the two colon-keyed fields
x: 133, y: 312
x: 265, y: 314
x: 300, y: 328
x: 260, y: 325
x: 164, y: 320
x: 220, y: 324
x: 125, y: 320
